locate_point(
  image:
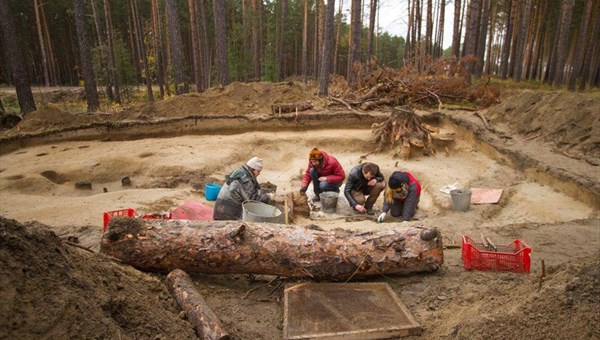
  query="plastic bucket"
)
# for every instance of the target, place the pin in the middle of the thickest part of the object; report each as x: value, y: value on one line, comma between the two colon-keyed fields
x: 329, y: 201
x: 211, y: 191
x: 461, y: 199
x: 254, y: 211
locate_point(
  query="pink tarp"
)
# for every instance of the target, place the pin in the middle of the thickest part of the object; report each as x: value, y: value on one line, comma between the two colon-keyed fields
x: 193, y: 210
x: 485, y: 195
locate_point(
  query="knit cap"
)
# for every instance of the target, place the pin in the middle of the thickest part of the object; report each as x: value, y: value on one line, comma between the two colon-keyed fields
x: 255, y: 163
x: 315, y: 154
x: 397, y: 179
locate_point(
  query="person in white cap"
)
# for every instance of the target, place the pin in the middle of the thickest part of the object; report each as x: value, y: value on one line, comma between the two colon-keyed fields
x: 241, y: 185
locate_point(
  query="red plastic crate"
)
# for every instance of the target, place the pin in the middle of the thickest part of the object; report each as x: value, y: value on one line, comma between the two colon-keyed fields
x: 110, y: 214
x: 514, y: 257
x: 130, y: 213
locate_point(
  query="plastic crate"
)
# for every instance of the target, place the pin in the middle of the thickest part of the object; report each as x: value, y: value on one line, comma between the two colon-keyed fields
x: 110, y: 214
x: 514, y: 257
x: 130, y: 213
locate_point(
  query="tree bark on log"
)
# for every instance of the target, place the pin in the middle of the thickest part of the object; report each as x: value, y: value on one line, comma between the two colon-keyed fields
x: 220, y: 247
x: 205, y: 321
x: 291, y: 107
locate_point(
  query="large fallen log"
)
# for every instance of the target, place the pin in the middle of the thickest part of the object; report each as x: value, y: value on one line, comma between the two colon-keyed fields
x: 205, y: 321
x: 219, y: 247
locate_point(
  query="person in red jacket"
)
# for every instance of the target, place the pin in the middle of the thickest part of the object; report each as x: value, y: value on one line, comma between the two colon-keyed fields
x: 324, y: 171
x: 401, y: 196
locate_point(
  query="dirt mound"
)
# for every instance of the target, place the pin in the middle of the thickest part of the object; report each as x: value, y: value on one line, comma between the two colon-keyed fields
x: 568, y: 120
x: 566, y: 307
x: 49, y: 117
x: 52, y: 290
x: 234, y: 99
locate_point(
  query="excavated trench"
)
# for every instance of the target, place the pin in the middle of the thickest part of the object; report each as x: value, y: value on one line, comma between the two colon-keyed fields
x: 550, y: 208
x: 173, y: 159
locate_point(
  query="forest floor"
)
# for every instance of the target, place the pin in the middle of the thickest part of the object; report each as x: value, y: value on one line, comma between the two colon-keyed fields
x: 543, y: 152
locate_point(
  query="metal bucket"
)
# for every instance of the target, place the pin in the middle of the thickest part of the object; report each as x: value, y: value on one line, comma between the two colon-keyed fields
x: 254, y: 211
x: 461, y: 199
x: 329, y: 201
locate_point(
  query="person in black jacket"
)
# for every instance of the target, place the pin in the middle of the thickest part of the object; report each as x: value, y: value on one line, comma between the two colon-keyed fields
x: 364, y: 185
x: 401, y: 197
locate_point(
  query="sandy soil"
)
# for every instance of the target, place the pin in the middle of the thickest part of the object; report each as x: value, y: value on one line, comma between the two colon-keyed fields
x: 37, y: 184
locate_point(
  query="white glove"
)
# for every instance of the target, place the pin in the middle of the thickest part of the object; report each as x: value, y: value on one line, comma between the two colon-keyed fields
x: 271, y: 196
x: 381, y: 218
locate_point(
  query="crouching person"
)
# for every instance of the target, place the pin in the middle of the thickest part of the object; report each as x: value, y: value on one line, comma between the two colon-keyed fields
x: 324, y: 171
x: 364, y: 185
x: 241, y: 185
x: 401, y: 196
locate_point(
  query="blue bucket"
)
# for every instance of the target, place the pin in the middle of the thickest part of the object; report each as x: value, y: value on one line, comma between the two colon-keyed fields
x: 211, y: 191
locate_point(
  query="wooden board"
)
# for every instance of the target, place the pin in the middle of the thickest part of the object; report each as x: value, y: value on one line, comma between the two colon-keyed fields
x: 356, y: 310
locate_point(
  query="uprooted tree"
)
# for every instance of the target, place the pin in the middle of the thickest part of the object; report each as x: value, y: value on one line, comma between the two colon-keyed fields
x: 403, y: 130
x: 223, y: 247
x: 443, y: 82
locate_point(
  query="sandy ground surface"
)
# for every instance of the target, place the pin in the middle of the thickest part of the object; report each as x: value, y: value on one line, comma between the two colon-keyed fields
x: 37, y: 184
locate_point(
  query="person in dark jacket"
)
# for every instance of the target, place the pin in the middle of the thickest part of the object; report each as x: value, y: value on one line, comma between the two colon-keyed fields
x: 401, y: 196
x: 364, y: 180
x: 324, y: 171
x: 241, y: 185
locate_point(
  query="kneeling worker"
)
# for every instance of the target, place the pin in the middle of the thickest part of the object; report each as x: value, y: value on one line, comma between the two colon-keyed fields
x: 242, y: 185
x: 401, y: 196
x: 324, y: 171
x: 364, y: 180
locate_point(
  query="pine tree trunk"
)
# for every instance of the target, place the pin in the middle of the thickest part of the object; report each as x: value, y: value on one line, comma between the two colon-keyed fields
x: 256, y: 39
x: 221, y: 42
x: 101, y: 42
x: 507, y: 42
x: 139, y: 35
x: 205, y: 43
x: 283, y: 71
x: 53, y: 69
x: 337, y: 38
x: 456, y: 31
x: 133, y: 45
x: 525, y: 14
x: 471, y: 33
x: 439, y: 46
x: 582, y: 37
x: 327, y: 49
x: 590, y: 66
x: 563, y: 40
x: 90, y: 90
x: 320, y: 36
x: 488, y: 61
x: 409, y: 30
x: 537, y: 40
x: 20, y: 78
x: 196, y: 60
x: 176, y: 47
x: 40, y: 34
x: 429, y: 27
x: 304, y: 63
x: 370, y: 36
x: 158, y: 48
x: 481, y: 37
x: 114, y: 80
x: 354, y: 58
x: 224, y: 247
